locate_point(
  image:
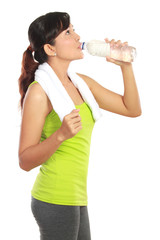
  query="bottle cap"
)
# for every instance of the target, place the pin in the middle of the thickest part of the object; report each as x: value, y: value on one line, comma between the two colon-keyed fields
x: 83, y: 45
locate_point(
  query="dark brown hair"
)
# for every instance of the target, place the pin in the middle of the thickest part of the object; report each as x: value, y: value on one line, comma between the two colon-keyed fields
x: 43, y: 30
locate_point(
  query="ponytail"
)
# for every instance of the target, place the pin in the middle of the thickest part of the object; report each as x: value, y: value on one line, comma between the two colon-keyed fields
x: 28, y: 69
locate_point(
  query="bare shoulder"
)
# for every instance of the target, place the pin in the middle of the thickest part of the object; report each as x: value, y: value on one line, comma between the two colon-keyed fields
x: 36, y: 99
x: 34, y: 92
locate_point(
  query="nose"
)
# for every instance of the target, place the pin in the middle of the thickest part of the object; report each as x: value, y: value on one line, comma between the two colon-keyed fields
x: 77, y: 37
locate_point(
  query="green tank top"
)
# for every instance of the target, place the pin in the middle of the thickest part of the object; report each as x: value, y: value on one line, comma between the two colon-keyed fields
x: 62, y: 179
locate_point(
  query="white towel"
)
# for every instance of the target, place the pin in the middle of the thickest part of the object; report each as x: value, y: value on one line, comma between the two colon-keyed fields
x: 56, y: 92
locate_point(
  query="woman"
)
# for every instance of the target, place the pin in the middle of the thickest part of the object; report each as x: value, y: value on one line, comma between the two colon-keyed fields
x: 59, y: 196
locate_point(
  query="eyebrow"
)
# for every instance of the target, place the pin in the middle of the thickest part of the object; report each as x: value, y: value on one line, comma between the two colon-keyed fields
x: 71, y: 25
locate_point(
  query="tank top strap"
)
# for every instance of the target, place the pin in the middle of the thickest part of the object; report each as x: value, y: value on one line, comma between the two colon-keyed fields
x: 32, y: 83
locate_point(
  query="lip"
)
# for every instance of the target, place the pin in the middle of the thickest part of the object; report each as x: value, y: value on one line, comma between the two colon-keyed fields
x: 80, y: 46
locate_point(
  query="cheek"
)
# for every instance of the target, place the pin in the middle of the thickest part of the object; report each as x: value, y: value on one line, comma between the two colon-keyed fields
x: 68, y: 50
x: 64, y: 47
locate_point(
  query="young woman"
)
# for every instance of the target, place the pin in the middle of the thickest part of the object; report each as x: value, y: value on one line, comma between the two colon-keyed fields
x: 59, y: 195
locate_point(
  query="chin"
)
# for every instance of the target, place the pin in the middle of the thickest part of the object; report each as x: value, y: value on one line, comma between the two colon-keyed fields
x: 81, y: 56
x: 76, y: 56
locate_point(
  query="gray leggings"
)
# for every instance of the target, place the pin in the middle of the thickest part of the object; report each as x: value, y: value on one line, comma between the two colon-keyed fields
x: 61, y: 222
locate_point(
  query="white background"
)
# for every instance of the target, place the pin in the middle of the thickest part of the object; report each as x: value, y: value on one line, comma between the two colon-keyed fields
x: 123, y: 178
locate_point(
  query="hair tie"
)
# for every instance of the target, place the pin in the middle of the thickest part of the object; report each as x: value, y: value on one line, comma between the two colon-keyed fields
x: 30, y: 49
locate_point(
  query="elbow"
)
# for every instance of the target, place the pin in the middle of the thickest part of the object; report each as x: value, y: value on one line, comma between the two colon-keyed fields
x: 139, y: 114
x: 23, y: 165
x: 135, y: 114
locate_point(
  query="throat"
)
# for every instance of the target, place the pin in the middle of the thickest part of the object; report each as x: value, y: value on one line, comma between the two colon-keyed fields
x: 67, y: 83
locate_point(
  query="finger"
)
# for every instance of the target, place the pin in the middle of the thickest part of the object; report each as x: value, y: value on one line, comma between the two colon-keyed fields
x: 78, y: 129
x: 112, y: 42
x: 76, y: 119
x: 75, y: 110
x: 74, y: 115
x: 77, y: 125
x: 110, y: 60
x: 118, y: 42
x: 125, y: 44
x: 106, y: 40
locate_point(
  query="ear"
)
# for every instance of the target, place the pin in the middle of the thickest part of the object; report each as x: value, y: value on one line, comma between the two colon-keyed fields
x: 49, y: 49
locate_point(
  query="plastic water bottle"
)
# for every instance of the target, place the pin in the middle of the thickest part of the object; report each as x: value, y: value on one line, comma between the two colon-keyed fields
x: 103, y: 49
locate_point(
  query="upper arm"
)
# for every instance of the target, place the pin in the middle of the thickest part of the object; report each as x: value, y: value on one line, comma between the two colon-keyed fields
x: 33, y: 117
x: 105, y: 98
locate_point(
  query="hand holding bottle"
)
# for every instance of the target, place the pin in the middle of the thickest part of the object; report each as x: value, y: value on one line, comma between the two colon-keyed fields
x: 119, y: 50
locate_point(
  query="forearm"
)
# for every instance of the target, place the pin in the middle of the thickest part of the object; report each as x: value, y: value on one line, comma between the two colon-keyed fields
x: 36, y: 155
x: 131, y: 97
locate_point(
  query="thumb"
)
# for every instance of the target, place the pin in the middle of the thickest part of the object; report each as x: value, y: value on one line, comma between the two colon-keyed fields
x: 75, y: 110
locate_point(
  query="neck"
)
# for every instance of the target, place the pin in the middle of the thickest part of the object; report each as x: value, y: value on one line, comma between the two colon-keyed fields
x: 60, y: 67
